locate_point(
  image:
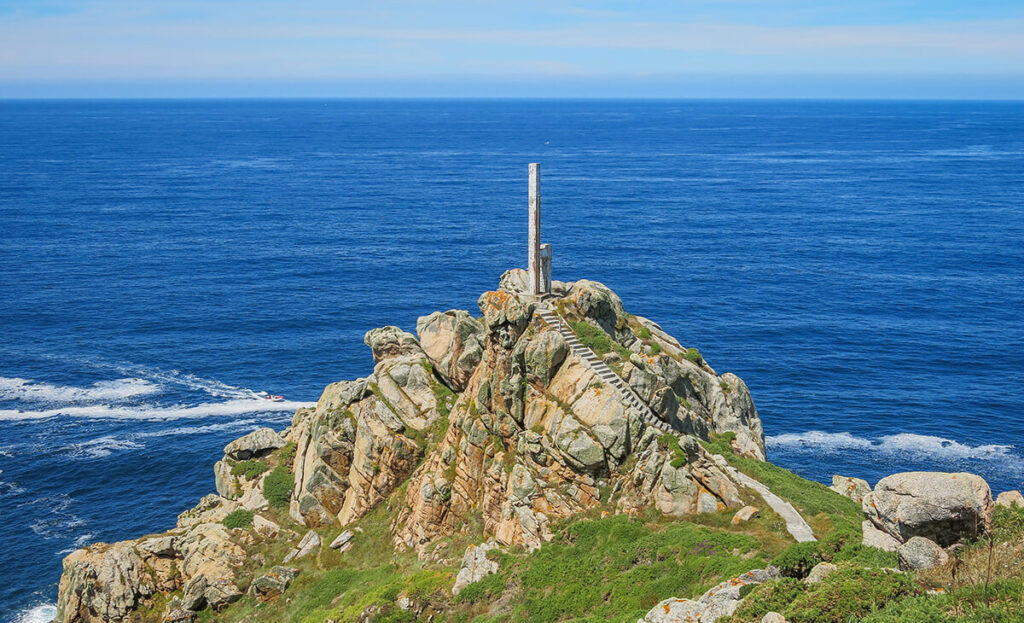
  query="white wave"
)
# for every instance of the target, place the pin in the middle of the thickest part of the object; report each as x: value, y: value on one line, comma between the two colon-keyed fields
x: 100, y: 447
x: 103, y: 391
x: 58, y: 523
x: 903, y: 444
x: 39, y: 613
x: 200, y: 430
x: 178, y: 378
x: 151, y: 412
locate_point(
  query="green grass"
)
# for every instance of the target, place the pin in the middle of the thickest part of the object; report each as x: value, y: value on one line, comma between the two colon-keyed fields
x: 240, y: 518
x: 693, y: 356
x: 615, y: 569
x: 286, y: 455
x: 655, y: 348
x: 249, y: 469
x: 277, y: 487
x: 823, y: 508
x: 593, y: 338
x: 643, y: 333
x: 847, y: 594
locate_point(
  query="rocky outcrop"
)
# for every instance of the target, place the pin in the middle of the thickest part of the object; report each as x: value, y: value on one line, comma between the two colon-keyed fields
x: 920, y: 553
x: 102, y: 583
x: 257, y: 443
x: 853, y: 488
x: 718, y: 601
x: 493, y: 418
x: 365, y: 437
x: 453, y: 342
x: 475, y: 566
x: 819, y: 572
x: 946, y: 508
x: 1010, y: 499
x: 273, y: 583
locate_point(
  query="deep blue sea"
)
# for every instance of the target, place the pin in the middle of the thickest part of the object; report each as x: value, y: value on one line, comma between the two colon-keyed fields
x: 858, y: 264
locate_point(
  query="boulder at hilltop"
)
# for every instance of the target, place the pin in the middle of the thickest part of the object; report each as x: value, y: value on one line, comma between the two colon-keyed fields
x: 946, y: 508
x: 256, y: 443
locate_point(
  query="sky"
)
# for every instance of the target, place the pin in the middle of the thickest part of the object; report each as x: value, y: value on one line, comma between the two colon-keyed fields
x: 966, y: 49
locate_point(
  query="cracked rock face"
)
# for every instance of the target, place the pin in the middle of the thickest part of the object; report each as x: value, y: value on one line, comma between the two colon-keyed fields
x: 946, y: 508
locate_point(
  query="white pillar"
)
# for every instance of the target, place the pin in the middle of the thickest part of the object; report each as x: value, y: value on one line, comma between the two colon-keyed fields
x: 536, y: 281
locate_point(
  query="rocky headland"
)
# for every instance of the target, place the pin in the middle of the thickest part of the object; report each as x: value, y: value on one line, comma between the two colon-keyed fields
x: 549, y: 460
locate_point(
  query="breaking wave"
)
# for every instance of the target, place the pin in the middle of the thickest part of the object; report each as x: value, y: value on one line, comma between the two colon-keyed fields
x: 904, y: 444
x: 39, y: 613
x: 228, y: 408
x: 100, y: 447
x: 103, y: 391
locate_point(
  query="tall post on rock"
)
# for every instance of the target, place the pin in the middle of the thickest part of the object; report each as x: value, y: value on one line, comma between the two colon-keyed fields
x: 535, y: 275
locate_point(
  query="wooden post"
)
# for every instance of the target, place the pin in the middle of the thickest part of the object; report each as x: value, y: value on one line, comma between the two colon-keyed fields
x: 536, y: 282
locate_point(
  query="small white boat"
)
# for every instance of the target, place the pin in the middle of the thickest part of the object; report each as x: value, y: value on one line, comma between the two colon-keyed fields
x: 272, y: 398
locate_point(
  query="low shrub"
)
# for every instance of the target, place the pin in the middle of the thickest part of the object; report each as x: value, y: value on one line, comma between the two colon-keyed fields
x: 240, y: 518
x: 655, y: 348
x: 849, y: 594
x: 764, y: 598
x: 693, y: 355
x: 797, y: 560
x: 277, y: 487
x: 286, y: 455
x: 643, y: 333
x: 593, y: 338
x: 249, y: 469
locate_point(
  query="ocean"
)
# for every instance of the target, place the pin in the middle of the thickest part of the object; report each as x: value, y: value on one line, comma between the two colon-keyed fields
x: 858, y: 264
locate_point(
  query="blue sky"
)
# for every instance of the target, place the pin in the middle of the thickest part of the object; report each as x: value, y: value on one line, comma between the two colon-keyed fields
x: 725, y: 48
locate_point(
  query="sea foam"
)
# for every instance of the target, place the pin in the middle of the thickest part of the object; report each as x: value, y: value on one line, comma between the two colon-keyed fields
x: 116, y: 390
x: 39, y: 613
x: 902, y: 443
x: 227, y: 408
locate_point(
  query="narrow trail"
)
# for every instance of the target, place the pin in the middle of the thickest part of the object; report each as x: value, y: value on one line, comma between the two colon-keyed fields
x: 795, y: 524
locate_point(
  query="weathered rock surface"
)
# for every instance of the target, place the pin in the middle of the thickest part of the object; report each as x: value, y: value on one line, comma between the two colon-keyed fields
x: 273, y: 583
x: 873, y: 537
x: 256, y: 443
x: 773, y: 617
x: 453, y: 342
x: 820, y: 571
x: 853, y: 488
x: 920, y: 553
x: 1010, y: 498
x: 946, y: 508
x: 475, y: 566
x: 308, y: 545
x: 102, y: 583
x: 342, y: 539
x: 717, y: 602
x: 745, y: 514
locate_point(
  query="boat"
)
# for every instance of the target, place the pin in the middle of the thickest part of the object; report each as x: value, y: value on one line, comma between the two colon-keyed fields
x: 272, y: 398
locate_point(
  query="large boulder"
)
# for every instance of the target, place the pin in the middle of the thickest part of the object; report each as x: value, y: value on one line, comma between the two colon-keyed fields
x: 256, y: 443
x: 273, y: 583
x: 475, y: 566
x: 453, y: 342
x: 391, y: 341
x: 853, y: 488
x: 717, y: 602
x: 920, y: 553
x: 946, y: 508
x: 1010, y: 499
x: 102, y: 584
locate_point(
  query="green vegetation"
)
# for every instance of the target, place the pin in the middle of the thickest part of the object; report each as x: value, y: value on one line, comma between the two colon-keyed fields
x: 655, y: 348
x: 277, y: 487
x: 617, y: 568
x: 848, y: 594
x: 643, y: 333
x: 240, y: 518
x: 593, y: 337
x: 824, y: 509
x: 286, y: 455
x: 693, y: 355
x: 249, y: 469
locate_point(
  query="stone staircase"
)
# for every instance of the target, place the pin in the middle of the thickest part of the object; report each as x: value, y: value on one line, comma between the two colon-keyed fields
x: 632, y: 401
x: 795, y: 524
